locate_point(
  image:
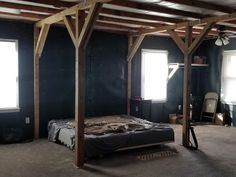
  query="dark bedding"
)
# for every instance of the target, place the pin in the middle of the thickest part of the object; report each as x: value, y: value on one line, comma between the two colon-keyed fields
x: 111, y: 133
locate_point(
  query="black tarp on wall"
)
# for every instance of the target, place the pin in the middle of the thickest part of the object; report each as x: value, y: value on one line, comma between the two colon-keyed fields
x: 105, y: 86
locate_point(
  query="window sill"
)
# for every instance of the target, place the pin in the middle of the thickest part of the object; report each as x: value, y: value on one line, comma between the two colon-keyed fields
x: 10, y: 110
x: 159, y: 101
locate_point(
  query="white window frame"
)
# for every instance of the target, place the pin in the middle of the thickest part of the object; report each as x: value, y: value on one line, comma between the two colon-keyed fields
x: 17, y: 108
x: 223, y: 77
x: 142, y: 74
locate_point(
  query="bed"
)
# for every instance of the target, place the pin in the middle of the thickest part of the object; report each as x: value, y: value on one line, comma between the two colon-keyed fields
x: 107, y: 134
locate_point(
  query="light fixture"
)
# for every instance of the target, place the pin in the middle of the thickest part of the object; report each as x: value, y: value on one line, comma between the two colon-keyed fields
x: 219, y: 42
x: 222, y: 39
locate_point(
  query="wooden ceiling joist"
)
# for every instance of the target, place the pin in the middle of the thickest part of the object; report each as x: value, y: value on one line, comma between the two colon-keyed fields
x: 128, y: 21
x: 54, y: 3
x: 28, y: 7
x: 192, y: 23
x: 156, y: 8
x: 204, y: 5
x: 141, y: 16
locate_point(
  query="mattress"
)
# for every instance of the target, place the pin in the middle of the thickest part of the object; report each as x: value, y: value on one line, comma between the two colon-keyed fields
x: 104, y: 135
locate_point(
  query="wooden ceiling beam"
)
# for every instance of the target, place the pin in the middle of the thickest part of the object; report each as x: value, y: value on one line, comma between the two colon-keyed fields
x: 204, y: 5
x: 70, y: 11
x: 128, y: 21
x: 140, y: 16
x: 191, y: 23
x: 55, y: 3
x: 118, y: 27
x: 26, y: 14
x: 156, y: 8
x: 28, y: 7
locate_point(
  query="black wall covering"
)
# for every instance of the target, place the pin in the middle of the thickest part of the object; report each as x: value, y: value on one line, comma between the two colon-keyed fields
x: 14, y: 123
x: 106, y: 70
x: 105, y: 76
x: 105, y: 86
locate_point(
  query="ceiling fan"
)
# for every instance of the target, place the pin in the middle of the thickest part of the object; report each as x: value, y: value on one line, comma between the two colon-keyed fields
x: 223, y: 36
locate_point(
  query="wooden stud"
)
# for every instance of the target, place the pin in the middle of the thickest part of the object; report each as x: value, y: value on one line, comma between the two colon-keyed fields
x: 178, y: 41
x: 69, y: 23
x: 135, y: 46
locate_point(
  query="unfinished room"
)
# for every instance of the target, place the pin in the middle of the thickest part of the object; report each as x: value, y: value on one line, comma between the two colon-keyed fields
x: 117, y: 88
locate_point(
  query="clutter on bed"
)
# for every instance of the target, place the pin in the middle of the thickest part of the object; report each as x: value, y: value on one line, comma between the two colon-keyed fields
x: 110, y: 133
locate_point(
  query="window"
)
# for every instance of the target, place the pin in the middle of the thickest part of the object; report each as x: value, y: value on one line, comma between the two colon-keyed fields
x: 228, y: 78
x: 154, y: 75
x: 8, y: 75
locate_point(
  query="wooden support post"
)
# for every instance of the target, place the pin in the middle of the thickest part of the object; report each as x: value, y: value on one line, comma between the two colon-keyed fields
x: 40, y: 36
x: 84, y: 27
x: 129, y: 80
x: 36, y: 86
x: 187, y: 88
x: 79, y: 92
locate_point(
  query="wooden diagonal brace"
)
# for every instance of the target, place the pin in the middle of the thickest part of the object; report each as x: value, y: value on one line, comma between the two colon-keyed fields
x: 88, y: 25
x: 69, y: 22
x: 41, y: 40
x: 199, y: 39
x: 180, y: 43
x: 134, y: 47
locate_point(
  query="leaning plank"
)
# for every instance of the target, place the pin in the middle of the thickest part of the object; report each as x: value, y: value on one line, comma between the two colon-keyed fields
x: 178, y: 40
x: 41, y: 39
x: 135, y: 47
x: 70, y: 27
x: 70, y: 11
x: 89, y: 24
x: 191, y: 23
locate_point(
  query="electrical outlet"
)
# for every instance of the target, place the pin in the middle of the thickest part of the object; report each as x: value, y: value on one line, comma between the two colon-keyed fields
x: 27, y: 120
